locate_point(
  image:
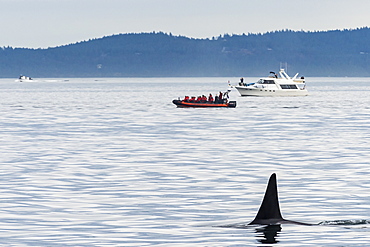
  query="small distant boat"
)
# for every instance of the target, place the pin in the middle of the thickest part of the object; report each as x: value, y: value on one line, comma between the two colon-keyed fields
x: 23, y: 78
x: 183, y: 103
x: 274, y: 85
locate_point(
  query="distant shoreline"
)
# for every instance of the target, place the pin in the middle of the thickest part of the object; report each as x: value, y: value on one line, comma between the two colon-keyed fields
x: 320, y: 54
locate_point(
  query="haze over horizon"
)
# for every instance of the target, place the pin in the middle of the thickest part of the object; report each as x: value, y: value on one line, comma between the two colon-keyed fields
x: 50, y: 23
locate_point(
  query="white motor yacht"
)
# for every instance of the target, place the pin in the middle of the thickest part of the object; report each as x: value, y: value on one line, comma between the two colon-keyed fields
x: 274, y: 85
x: 23, y: 78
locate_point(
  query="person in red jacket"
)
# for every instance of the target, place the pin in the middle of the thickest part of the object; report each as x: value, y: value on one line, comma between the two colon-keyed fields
x: 210, y: 98
x: 204, y: 98
x: 220, y: 96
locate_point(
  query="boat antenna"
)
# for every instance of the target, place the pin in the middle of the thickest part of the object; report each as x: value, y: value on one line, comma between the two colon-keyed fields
x: 284, y: 66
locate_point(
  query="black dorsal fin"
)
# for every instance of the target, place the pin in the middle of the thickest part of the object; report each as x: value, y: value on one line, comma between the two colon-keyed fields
x: 269, y: 212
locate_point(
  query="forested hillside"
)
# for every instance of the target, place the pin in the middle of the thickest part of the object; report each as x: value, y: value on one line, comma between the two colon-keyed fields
x: 329, y: 53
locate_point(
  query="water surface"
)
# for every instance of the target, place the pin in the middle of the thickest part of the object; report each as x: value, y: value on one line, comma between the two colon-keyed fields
x: 112, y: 162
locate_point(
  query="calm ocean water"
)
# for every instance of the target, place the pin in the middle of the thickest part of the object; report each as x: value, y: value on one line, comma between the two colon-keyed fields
x: 112, y: 162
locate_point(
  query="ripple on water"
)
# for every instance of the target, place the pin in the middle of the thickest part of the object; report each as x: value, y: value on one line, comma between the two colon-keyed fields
x: 113, y: 162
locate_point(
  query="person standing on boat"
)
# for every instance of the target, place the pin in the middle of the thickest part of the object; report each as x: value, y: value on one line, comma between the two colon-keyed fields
x: 220, y: 96
x: 225, y: 97
x: 241, y: 83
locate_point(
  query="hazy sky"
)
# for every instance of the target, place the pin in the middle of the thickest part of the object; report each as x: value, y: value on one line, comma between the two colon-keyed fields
x: 46, y: 23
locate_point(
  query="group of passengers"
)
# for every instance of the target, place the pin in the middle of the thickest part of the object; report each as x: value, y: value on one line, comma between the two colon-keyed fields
x: 219, y: 99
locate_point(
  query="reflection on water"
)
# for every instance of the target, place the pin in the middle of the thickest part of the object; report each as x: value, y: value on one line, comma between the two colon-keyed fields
x: 268, y: 234
x: 115, y: 163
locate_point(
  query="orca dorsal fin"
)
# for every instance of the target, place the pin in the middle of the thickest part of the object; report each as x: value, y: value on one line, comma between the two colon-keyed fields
x: 269, y: 212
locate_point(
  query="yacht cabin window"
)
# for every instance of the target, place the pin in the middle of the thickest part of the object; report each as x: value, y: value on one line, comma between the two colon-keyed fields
x: 288, y: 86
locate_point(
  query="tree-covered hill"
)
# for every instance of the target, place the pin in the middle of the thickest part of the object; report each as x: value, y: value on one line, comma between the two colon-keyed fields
x: 329, y: 53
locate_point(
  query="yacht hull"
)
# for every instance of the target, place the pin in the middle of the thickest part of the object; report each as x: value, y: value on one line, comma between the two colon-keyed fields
x: 250, y: 91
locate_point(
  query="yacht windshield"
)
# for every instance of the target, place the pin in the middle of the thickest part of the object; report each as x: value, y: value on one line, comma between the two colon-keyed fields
x: 262, y: 81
